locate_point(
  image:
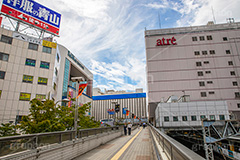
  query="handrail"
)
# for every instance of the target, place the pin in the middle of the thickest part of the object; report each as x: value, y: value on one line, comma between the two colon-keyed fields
x: 173, y: 149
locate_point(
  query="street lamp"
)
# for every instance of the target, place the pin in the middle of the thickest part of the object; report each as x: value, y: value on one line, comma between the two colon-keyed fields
x: 77, y: 80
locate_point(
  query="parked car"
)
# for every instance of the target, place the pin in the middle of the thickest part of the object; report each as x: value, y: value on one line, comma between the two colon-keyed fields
x: 107, y: 122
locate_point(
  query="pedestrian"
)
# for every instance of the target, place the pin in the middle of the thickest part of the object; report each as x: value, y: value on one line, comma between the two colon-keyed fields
x: 125, y: 129
x: 144, y: 125
x: 129, y: 126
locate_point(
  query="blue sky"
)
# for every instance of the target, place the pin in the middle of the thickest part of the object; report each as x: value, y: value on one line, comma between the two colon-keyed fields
x: 108, y: 35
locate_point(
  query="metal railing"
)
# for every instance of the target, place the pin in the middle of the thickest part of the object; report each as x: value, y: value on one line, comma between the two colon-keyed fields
x: 173, y: 149
x: 14, y: 144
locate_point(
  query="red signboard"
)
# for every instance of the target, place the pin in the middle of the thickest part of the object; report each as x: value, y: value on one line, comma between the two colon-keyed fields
x: 81, y: 89
x: 163, y: 41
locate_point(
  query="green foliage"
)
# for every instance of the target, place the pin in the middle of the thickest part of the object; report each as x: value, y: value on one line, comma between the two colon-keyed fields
x: 7, y: 129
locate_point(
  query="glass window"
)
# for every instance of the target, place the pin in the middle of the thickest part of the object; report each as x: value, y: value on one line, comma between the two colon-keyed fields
x: 4, y: 57
x: 200, y: 73
x: 56, y: 71
x: 238, y: 105
x: 27, y: 79
x: 212, y: 117
x: 40, y: 96
x: 208, y: 72
x: 204, y: 52
x: 211, y: 92
x: 203, y: 94
x: 202, y: 117
x: 230, y: 63
x: 228, y: 52
x: 30, y: 62
x: 47, y: 49
x: 194, y: 118
x: 198, y: 63
x: 54, y: 86
x: 202, y: 38
x: 209, y: 37
x: 58, y: 58
x: 235, y: 83
x: 194, y: 38
x: 184, y: 118
x: 175, y: 118
x: 42, y: 80
x: 221, y: 117
x: 212, y: 51
x: 232, y: 73
x: 166, y: 119
x: 197, y: 53
x: 206, y: 62
x: 209, y: 82
x: 237, y: 95
x: 201, y: 83
x: 225, y: 39
x: 6, y: 39
x: 33, y: 46
x: 44, y: 65
x: 2, y: 74
x: 25, y: 96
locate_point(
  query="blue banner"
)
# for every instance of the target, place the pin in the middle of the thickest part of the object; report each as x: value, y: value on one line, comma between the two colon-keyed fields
x: 124, y: 111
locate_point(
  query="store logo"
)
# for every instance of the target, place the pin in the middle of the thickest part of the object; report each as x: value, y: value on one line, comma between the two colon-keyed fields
x: 163, y: 42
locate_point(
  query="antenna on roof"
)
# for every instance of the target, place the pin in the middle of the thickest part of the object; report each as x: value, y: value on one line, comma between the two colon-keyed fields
x: 159, y: 20
x: 214, y: 20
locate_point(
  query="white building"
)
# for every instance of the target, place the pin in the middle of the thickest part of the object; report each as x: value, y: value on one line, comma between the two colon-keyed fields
x: 200, y: 61
x: 32, y: 68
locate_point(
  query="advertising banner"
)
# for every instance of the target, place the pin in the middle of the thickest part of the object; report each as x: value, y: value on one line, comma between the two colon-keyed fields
x: 124, y: 110
x: 33, y: 13
x: 81, y: 89
x: 49, y: 44
x: 111, y: 111
x: 26, y: 38
x: 25, y: 96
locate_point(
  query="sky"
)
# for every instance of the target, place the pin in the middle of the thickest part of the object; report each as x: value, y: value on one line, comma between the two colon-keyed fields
x: 107, y: 36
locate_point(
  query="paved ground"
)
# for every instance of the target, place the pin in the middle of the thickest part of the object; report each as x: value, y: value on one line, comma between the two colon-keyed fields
x: 137, y: 146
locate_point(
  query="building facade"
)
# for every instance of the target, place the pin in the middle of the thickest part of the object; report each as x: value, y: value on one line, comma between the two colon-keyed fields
x: 134, y: 102
x: 33, y: 68
x: 201, y: 61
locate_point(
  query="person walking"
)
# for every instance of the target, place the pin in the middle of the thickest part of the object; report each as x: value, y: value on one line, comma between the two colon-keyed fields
x: 125, y: 129
x: 129, y: 126
x: 144, y: 125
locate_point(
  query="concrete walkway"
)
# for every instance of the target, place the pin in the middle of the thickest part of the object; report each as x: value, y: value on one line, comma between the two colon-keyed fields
x: 137, y: 146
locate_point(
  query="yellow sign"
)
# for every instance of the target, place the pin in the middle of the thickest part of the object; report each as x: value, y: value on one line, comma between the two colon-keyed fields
x: 28, y: 79
x: 42, y: 80
x: 25, y: 96
x: 0, y: 93
x: 40, y: 96
x: 49, y: 44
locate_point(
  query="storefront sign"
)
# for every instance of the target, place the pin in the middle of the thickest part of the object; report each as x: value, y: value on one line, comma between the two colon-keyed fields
x: 163, y: 41
x: 49, y: 44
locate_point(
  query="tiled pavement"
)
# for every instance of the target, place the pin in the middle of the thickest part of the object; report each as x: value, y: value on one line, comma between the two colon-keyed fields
x: 140, y: 148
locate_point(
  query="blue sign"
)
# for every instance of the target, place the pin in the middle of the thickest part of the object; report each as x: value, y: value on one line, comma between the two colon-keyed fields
x: 124, y: 111
x: 35, y: 10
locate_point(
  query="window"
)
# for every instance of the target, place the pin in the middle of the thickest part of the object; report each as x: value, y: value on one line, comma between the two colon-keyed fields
x: 54, y: 86
x: 175, y: 118
x: 47, y: 49
x: 201, y: 83
x: 206, y: 62
x: 0, y: 93
x: 204, y: 52
x: 211, y: 92
x: 58, y: 58
x: 202, y: 117
x: 203, y: 94
x: 212, y: 117
x: 209, y: 37
x: 232, y: 73
x: 2, y: 74
x: 27, y: 79
x: 6, y: 39
x: 44, y: 65
x: 225, y: 39
x: 194, y: 38
x: 25, y: 96
x: 237, y: 95
x: 201, y: 38
x: 33, y: 46
x: 30, y: 62
x: 184, y: 118
x: 221, y: 117
x: 194, y: 118
x: 238, y: 105
x: 228, y: 52
x: 212, y: 51
x: 42, y: 80
x: 200, y: 73
x: 235, y: 83
x: 198, y: 63
x: 197, y: 53
x: 230, y: 63
x: 209, y: 82
x: 4, y: 57
x: 166, y: 119
x: 208, y: 72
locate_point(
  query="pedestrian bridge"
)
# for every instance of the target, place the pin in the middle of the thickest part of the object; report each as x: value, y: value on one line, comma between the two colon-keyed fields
x: 100, y: 144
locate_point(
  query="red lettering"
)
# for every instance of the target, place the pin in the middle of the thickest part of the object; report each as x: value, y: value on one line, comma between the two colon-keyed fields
x: 163, y: 41
x: 173, y: 41
x: 159, y: 42
x: 168, y: 41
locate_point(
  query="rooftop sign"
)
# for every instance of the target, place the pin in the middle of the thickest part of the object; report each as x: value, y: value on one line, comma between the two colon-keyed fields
x: 33, y: 13
x: 163, y: 41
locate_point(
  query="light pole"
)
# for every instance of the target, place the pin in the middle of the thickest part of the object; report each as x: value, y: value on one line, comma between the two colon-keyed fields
x: 114, y: 102
x: 77, y: 80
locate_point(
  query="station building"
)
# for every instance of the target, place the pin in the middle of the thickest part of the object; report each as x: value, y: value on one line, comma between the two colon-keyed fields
x: 202, y: 62
x: 35, y: 68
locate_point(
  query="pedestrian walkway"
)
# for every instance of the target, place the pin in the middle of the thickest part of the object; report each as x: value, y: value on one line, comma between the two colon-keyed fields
x: 137, y: 146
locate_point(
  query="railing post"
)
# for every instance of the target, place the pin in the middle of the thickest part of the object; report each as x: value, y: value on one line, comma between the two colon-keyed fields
x: 171, y: 153
x: 60, y: 138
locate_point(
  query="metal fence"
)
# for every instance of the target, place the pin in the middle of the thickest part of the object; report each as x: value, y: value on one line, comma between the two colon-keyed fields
x: 14, y: 144
x: 173, y: 149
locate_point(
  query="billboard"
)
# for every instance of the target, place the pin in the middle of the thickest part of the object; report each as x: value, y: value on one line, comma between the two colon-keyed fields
x: 33, y: 13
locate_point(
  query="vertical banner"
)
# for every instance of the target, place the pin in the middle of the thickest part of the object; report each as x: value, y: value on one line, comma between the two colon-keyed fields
x: 127, y: 112
x: 124, y: 110
x: 81, y: 89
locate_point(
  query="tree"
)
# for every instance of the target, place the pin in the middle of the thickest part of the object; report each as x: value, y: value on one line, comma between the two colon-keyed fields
x: 7, y: 129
